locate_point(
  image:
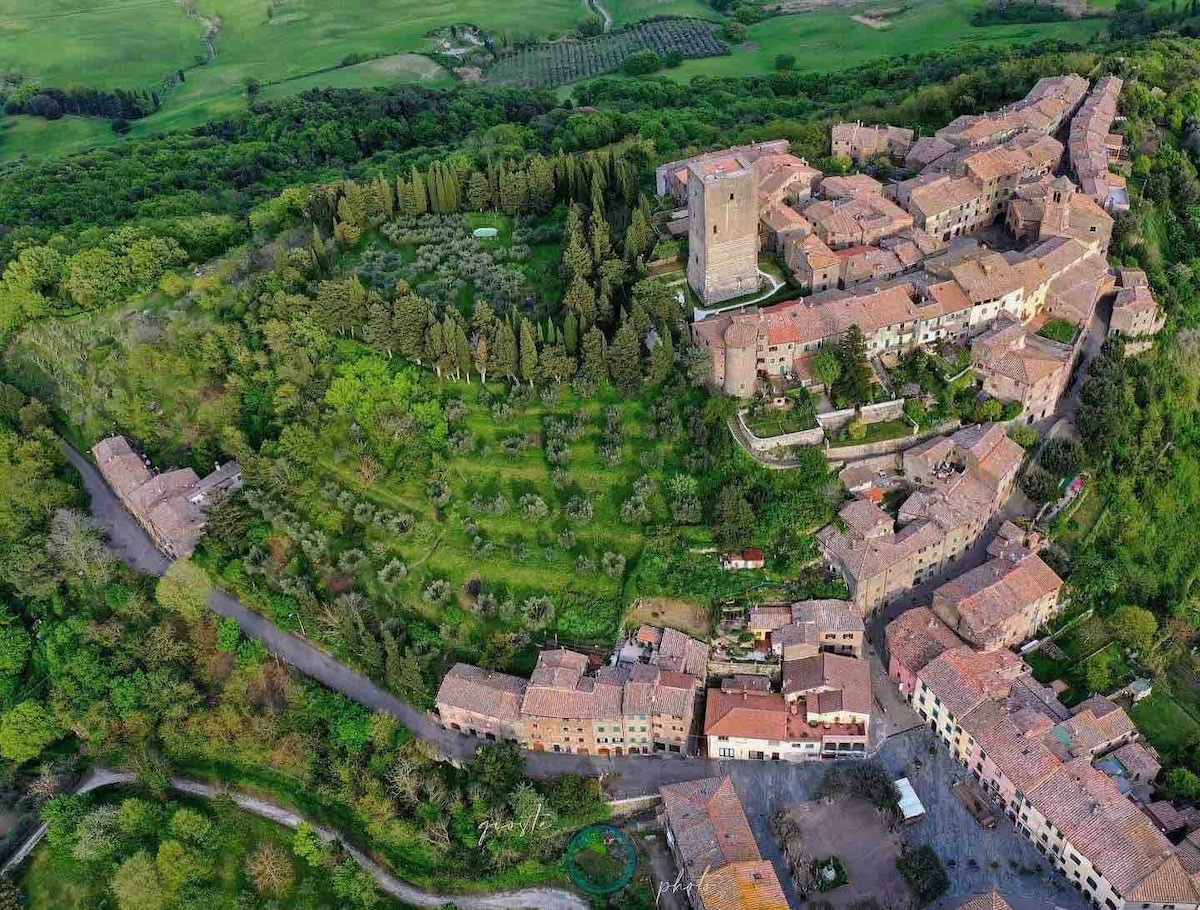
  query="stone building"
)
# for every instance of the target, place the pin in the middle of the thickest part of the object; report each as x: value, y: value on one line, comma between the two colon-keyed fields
x: 650, y: 704
x: 1017, y: 365
x: 1135, y: 314
x: 1001, y: 603
x: 171, y: 506
x: 723, y: 230
x: 865, y: 142
x: 1054, y: 207
x: 961, y: 480
x: 1054, y: 773
x: 709, y: 836
x: 1088, y: 145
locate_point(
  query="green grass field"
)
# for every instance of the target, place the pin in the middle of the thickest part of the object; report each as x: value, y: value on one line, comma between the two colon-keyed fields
x: 135, y: 43
x: 626, y: 11
x: 1162, y: 720
x: 831, y: 41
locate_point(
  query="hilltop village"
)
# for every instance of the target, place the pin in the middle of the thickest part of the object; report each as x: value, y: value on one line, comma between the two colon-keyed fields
x: 999, y: 228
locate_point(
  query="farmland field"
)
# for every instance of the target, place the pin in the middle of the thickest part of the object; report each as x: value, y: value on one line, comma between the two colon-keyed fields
x: 831, y: 41
x: 626, y: 11
x: 558, y: 64
x: 135, y: 43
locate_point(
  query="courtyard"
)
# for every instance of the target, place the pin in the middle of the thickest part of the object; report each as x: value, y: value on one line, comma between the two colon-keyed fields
x: 855, y: 833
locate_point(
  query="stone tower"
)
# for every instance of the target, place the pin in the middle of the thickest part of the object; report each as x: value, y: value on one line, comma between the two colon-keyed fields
x: 723, y: 229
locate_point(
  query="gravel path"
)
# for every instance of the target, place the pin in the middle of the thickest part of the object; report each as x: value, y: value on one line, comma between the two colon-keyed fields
x: 526, y: 899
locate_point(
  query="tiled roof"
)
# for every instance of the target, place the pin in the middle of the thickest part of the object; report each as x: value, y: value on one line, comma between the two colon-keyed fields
x: 963, y: 678
x: 990, y: 901
x: 749, y: 714
x: 1026, y: 761
x: 865, y: 518
x: 849, y: 676
x: 989, y: 595
x: 769, y: 617
x: 682, y: 653
x: 743, y: 886
x: 987, y: 277
x: 495, y: 695
x: 1137, y: 760
x: 916, y: 637
x: 850, y: 186
x: 828, y: 615
x: 709, y: 824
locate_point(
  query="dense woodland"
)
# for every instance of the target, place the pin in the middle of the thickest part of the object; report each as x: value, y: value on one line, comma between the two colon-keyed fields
x: 459, y: 448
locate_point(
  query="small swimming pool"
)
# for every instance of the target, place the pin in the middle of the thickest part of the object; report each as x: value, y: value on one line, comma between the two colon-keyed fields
x: 484, y: 233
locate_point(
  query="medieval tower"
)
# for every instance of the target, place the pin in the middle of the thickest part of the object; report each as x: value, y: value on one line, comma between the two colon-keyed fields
x: 723, y: 229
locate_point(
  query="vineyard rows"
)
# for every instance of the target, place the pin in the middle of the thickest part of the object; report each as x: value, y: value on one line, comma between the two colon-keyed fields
x: 557, y: 64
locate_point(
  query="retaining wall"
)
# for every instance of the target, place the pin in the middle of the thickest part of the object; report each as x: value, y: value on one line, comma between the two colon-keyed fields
x: 884, y: 410
x: 835, y: 420
x: 721, y: 668
x: 813, y: 437
x: 885, y: 446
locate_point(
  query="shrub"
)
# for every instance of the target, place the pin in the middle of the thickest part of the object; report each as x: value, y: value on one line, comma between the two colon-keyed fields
x: 438, y: 592
x: 923, y: 872
x: 641, y: 63
x: 579, y: 510
x: 735, y: 32
x: 614, y: 564
x: 785, y: 61
x: 1022, y: 435
x: 856, y: 429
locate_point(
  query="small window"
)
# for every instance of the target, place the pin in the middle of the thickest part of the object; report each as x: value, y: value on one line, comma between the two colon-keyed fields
x: 731, y: 200
x: 714, y: 229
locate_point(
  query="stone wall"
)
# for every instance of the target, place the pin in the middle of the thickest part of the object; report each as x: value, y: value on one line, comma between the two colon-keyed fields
x: 835, y: 420
x: 718, y: 669
x: 813, y: 437
x: 884, y: 410
x: 842, y: 454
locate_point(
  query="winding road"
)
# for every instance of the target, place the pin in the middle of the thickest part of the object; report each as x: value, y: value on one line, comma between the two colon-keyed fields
x: 625, y: 776
x: 525, y: 899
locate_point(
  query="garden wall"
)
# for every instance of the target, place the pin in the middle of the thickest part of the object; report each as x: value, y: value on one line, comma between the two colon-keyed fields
x: 722, y: 668
x: 885, y: 446
x: 884, y: 410
x: 813, y: 437
x: 835, y: 420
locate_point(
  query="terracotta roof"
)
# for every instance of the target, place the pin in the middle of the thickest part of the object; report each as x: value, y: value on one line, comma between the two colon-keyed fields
x: 748, y: 714
x: 987, y: 277
x: 1137, y: 761
x: 865, y: 518
x: 991, y: 594
x: 850, y: 186
x: 1164, y: 814
x: 682, y: 653
x: 709, y: 825
x: 743, y: 886
x: 916, y: 637
x: 1025, y: 760
x: 769, y: 617
x: 849, y: 677
x: 828, y: 615
x: 495, y: 695
x: 990, y: 901
x: 964, y: 678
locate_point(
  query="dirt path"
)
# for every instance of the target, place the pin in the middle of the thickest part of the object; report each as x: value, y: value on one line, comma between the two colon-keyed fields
x: 526, y: 899
x: 598, y: 8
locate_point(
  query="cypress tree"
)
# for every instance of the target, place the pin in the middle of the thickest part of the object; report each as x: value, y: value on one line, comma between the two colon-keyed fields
x: 571, y: 332
x: 420, y: 196
x: 625, y: 358
x: 504, y: 354
x: 528, y: 352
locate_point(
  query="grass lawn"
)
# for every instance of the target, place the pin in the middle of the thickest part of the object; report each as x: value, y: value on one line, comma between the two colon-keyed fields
x: 831, y: 41
x: 1058, y: 330
x: 395, y: 68
x: 665, y: 611
x: 775, y: 422
x: 1164, y: 722
x: 876, y: 432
